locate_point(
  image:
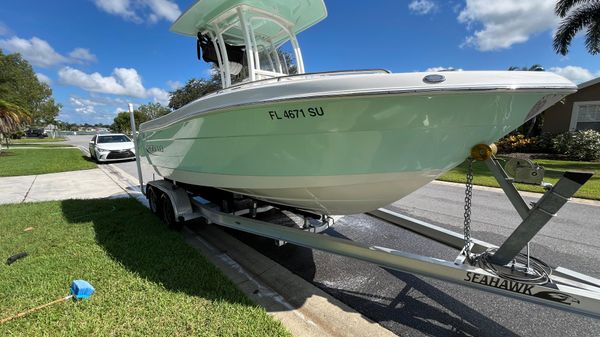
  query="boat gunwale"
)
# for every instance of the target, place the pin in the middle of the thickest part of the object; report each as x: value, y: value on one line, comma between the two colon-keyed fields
x: 508, y: 88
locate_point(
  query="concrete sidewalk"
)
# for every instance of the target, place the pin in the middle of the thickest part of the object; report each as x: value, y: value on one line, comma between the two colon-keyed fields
x: 84, y: 184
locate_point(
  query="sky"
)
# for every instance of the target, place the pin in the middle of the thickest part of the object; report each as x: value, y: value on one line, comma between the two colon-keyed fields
x: 98, y: 55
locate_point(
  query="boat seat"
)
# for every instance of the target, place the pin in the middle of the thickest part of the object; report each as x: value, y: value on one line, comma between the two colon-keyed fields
x: 209, y: 54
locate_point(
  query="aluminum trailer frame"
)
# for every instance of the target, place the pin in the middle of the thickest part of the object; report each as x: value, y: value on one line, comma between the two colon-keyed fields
x: 563, y: 289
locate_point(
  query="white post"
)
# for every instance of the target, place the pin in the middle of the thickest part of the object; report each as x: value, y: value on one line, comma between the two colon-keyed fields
x: 248, y: 42
x: 136, y: 147
x: 254, y: 46
x: 225, y: 57
x: 219, y: 58
x: 299, y: 60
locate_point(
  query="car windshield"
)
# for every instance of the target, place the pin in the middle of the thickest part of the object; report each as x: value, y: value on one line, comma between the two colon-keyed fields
x: 113, y: 139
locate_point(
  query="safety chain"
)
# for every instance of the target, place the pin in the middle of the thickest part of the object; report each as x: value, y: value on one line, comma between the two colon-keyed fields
x: 468, y: 197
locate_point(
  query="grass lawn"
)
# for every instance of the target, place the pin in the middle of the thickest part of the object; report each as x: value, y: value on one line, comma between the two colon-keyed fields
x: 148, y: 281
x: 35, y: 145
x: 21, y: 162
x: 481, y: 176
x: 37, y: 140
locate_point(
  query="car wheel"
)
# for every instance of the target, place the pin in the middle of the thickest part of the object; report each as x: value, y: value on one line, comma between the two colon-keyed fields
x: 168, y: 214
x: 153, y: 200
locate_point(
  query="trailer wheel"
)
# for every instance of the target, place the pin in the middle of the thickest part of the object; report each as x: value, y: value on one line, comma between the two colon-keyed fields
x: 153, y: 200
x: 168, y: 214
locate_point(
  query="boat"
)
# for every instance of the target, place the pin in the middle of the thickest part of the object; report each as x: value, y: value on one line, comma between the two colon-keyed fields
x: 333, y: 143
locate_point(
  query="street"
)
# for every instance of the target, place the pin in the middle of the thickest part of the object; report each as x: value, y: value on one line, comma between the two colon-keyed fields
x: 418, y: 306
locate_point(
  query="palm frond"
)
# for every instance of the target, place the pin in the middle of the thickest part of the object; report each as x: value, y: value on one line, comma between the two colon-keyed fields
x: 12, y: 116
x: 563, y: 6
x: 569, y: 26
x: 592, y: 36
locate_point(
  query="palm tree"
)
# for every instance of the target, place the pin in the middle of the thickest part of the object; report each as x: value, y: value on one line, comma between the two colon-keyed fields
x: 535, y: 67
x: 577, y: 15
x: 12, y: 117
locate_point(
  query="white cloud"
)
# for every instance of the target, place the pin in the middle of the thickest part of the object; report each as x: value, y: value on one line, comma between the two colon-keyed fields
x: 174, y: 85
x: 94, y: 108
x: 153, y: 10
x: 34, y: 50
x: 575, y: 73
x: 422, y: 7
x: 40, y: 53
x: 436, y: 69
x: 505, y: 23
x: 82, y: 55
x: 159, y: 95
x: 83, y: 106
x: 43, y: 78
x: 118, y: 7
x: 122, y: 81
x: 163, y: 9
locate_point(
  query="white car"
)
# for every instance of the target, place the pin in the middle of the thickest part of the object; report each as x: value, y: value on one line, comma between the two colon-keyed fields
x: 111, y: 147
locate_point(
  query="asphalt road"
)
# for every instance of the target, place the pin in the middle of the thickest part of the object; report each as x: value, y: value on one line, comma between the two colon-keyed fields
x: 419, y: 306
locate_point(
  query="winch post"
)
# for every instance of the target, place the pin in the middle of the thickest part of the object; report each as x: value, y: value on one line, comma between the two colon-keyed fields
x: 539, y: 215
x: 509, y: 189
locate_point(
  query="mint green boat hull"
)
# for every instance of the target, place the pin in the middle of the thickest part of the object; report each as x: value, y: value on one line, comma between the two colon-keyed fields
x: 264, y: 147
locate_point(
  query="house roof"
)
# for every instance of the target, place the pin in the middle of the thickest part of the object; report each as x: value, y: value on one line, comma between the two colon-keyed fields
x: 588, y: 83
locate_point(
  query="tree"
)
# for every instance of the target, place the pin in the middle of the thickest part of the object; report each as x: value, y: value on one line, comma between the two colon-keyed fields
x: 20, y: 86
x: 196, y: 88
x: 122, y: 123
x: 192, y: 90
x: 535, y: 67
x: 153, y: 110
x: 577, y: 15
x: 143, y: 113
x: 12, y: 117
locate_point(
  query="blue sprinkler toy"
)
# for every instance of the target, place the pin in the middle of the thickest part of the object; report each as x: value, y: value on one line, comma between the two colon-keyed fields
x: 79, y: 290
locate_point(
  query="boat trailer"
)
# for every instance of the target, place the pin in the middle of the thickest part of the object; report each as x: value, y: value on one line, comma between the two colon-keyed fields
x: 503, y: 270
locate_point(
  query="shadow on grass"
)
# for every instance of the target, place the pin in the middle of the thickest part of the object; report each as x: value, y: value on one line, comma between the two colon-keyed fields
x: 7, y: 153
x: 134, y: 237
x: 88, y: 158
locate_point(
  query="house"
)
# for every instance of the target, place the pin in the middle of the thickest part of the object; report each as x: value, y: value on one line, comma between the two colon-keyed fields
x: 580, y: 111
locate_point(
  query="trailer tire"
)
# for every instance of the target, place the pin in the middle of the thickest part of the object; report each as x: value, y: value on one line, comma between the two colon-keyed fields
x: 154, y: 200
x: 168, y: 214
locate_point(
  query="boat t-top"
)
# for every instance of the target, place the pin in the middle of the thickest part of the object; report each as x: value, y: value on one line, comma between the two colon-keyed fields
x: 338, y: 142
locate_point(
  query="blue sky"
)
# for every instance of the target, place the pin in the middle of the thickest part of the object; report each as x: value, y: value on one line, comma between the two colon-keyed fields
x: 97, y: 55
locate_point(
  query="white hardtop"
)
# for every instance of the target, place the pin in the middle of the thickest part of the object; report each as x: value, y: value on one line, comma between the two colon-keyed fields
x: 234, y: 34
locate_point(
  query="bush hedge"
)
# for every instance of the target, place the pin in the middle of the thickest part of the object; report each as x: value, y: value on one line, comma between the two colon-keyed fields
x: 575, y: 145
x: 578, y: 145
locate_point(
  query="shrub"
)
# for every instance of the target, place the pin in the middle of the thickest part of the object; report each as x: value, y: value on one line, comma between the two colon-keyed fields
x: 516, y: 143
x: 545, y: 143
x: 578, y: 145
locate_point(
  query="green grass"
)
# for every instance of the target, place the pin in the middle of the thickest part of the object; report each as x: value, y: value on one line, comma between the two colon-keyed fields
x: 20, y: 145
x: 148, y: 281
x: 21, y: 162
x: 482, y: 176
x: 37, y: 140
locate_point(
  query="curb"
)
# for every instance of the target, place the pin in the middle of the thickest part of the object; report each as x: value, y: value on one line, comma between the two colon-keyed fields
x: 536, y: 195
